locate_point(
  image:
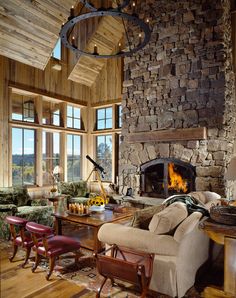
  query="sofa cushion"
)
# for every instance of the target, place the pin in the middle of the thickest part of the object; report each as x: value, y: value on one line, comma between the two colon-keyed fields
x: 187, y: 225
x: 15, y: 195
x: 21, y: 196
x: 205, y: 196
x: 165, y: 221
x: 142, y: 218
x: 73, y: 189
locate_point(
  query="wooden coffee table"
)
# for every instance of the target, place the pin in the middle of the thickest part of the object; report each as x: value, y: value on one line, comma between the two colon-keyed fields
x: 94, y: 221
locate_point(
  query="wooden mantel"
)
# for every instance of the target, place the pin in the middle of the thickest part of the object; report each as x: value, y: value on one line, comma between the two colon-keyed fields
x: 183, y: 134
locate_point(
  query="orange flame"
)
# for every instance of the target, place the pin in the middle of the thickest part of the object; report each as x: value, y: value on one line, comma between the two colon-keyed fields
x: 176, y: 181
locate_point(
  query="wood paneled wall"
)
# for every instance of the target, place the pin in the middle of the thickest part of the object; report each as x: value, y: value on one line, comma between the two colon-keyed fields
x: 108, y: 85
x: 48, y: 82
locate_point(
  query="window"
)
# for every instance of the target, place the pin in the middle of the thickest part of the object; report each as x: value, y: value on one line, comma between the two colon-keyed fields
x: 23, y: 156
x: 51, y: 113
x: 104, y: 154
x: 57, y: 50
x: 51, y: 155
x: 73, y: 117
x: 23, y: 108
x: 104, y: 118
x: 73, y: 157
x: 119, y: 116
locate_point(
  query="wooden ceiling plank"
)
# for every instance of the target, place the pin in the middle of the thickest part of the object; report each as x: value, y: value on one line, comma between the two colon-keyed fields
x: 22, y: 42
x: 21, y: 13
x: 18, y: 27
x: 20, y: 57
x: 63, y: 10
x: 33, y: 8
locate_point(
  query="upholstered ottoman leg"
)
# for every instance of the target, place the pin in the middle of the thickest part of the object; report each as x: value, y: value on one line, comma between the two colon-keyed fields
x: 15, y: 248
x: 37, y: 260
x: 28, y: 250
x: 51, y: 266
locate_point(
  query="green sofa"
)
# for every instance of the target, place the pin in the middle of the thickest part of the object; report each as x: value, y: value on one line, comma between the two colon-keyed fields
x: 76, y: 191
x: 16, y: 201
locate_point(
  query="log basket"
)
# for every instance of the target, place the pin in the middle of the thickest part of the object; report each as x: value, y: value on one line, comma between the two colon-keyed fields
x: 224, y: 214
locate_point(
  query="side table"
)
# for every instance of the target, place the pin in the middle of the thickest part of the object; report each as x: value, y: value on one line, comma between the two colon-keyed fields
x: 226, y: 235
x: 59, y: 202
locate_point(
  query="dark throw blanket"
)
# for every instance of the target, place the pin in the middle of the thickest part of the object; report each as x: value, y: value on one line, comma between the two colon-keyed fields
x: 191, y: 203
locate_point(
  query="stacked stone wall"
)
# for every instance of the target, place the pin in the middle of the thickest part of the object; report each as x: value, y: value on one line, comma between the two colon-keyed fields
x: 182, y: 79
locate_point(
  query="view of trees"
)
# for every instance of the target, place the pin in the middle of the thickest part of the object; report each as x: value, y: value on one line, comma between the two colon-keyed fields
x: 23, y: 171
x: 104, y: 155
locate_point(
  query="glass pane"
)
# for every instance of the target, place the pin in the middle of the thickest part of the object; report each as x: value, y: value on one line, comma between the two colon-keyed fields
x: 104, y: 155
x: 101, y: 124
x: 69, y: 111
x: 77, y: 123
x: 108, y: 123
x: 29, y: 157
x: 29, y: 144
x: 100, y: 114
x: 69, y: 146
x: 76, y: 112
x: 108, y: 112
x: 28, y: 109
x: 17, y: 156
x: 17, y: 113
x: 57, y: 50
x: 73, y: 157
x: 70, y: 169
x: 69, y: 122
x: 56, y: 143
x: 56, y: 119
x: 77, y: 147
x: 51, y: 155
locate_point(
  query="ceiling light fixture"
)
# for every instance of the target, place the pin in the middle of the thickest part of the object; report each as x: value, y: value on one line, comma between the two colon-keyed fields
x: 68, y: 39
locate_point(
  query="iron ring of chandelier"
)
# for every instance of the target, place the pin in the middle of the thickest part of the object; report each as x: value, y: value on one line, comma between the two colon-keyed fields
x: 68, y: 26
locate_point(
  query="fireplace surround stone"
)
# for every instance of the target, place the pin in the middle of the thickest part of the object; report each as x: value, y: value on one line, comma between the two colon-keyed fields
x: 182, y: 79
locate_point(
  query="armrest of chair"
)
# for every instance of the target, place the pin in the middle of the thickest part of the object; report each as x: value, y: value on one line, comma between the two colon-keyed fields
x: 8, y: 207
x: 137, y: 239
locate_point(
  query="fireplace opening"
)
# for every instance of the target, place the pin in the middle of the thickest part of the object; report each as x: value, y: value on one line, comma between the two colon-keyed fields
x: 165, y: 177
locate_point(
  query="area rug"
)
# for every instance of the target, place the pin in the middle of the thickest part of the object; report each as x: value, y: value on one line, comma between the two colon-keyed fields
x: 85, y: 274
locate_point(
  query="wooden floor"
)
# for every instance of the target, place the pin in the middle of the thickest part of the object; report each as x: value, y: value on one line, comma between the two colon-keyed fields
x: 17, y: 282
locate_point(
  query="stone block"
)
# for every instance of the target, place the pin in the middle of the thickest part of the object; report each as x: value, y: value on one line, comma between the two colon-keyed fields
x: 211, y: 171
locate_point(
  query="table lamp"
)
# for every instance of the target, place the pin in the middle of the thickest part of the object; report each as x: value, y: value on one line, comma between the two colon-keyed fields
x: 231, y: 173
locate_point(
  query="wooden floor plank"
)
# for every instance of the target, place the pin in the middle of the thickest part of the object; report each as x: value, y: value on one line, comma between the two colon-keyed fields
x: 17, y: 282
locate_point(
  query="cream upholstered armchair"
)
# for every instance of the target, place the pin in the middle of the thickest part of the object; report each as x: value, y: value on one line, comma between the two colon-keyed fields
x: 180, y: 248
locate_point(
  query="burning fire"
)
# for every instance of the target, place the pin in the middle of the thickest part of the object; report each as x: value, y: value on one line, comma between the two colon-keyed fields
x: 176, y: 181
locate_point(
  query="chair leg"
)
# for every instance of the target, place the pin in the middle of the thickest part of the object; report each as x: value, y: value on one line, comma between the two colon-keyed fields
x: 100, y: 289
x: 15, y: 248
x: 37, y: 260
x: 51, y: 266
x: 28, y: 250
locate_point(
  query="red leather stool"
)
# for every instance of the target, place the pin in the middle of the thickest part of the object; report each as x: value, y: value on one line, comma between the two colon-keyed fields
x: 23, y: 238
x: 50, y: 247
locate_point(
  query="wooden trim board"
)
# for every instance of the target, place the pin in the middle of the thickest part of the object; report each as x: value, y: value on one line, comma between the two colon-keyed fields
x: 184, y: 134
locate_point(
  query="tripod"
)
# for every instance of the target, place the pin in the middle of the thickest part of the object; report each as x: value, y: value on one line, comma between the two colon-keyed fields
x: 98, y: 178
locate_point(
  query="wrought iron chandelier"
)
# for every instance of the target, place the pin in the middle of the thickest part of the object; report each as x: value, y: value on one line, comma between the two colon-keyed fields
x: 144, y: 36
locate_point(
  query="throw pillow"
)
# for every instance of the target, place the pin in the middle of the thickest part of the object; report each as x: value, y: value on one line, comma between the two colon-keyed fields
x: 168, y: 219
x: 187, y: 225
x: 142, y: 218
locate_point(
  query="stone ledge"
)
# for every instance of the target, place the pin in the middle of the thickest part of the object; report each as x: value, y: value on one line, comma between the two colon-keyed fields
x: 137, y: 200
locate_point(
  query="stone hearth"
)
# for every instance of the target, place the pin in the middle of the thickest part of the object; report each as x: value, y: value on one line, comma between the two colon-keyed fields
x: 182, y: 80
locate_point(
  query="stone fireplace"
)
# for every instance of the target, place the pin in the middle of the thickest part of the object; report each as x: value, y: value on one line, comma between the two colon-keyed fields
x: 164, y: 177
x: 178, y: 97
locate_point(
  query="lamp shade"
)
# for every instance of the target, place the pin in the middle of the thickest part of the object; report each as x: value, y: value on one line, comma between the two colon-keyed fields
x: 231, y: 172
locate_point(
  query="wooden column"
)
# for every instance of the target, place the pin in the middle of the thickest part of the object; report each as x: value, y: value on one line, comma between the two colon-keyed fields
x: 5, y: 174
